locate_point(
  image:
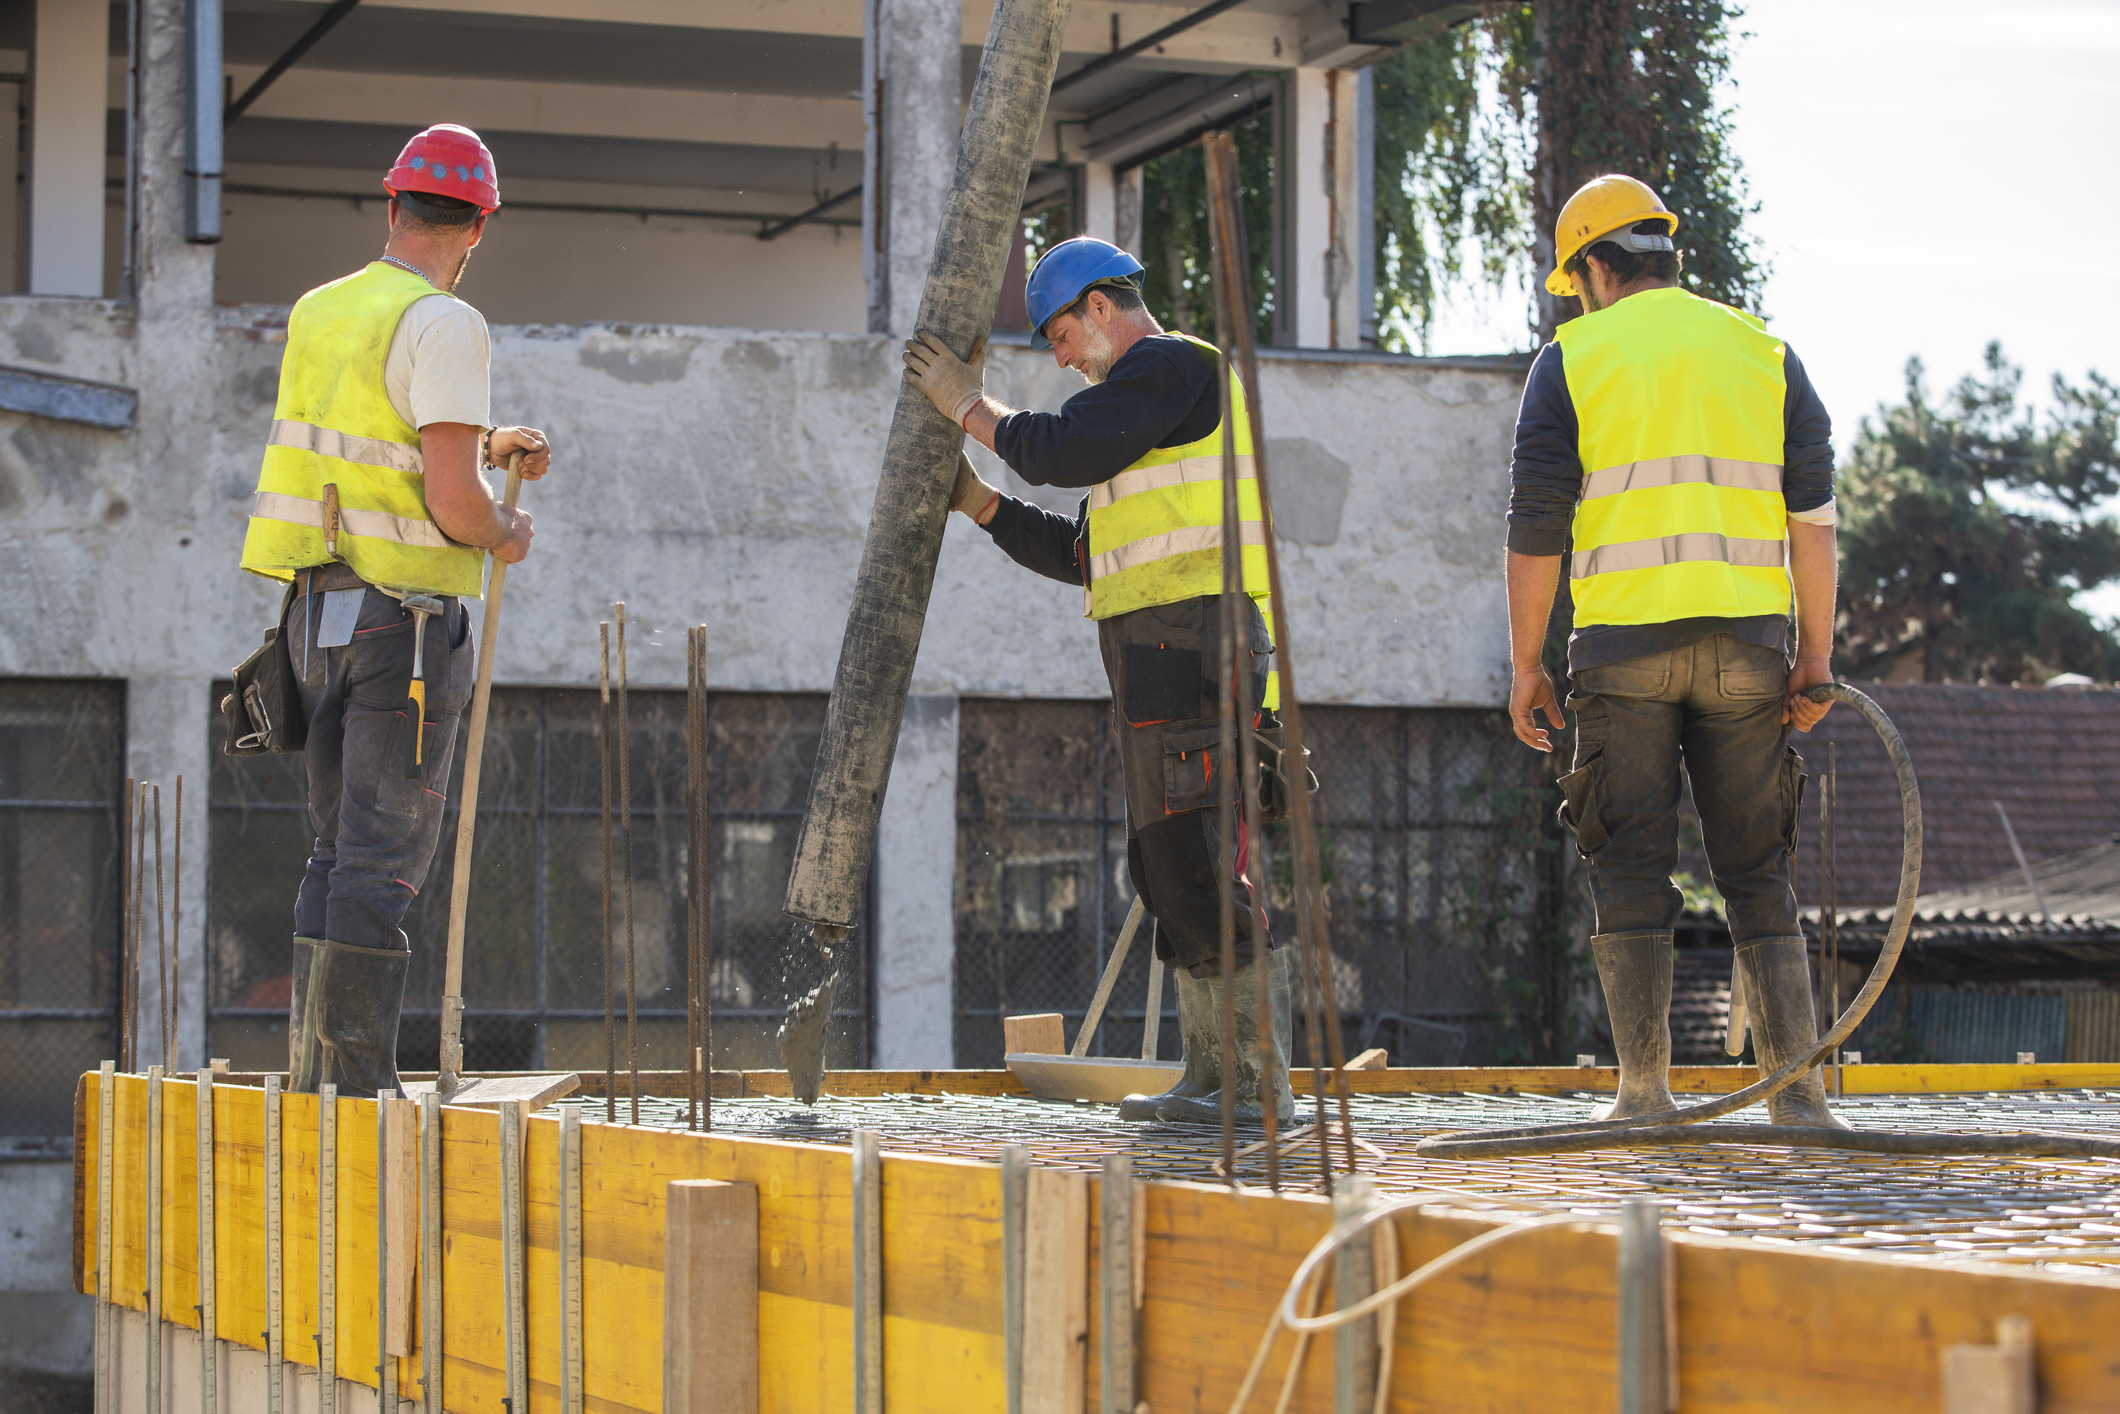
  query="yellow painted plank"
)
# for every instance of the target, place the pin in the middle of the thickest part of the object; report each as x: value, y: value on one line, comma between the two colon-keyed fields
x: 1976, y: 1079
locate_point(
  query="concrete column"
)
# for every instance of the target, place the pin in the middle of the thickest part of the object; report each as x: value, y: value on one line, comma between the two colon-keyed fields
x: 69, y: 72
x: 167, y: 727
x: 913, y: 95
x: 1323, y: 268
x: 1126, y: 211
x: 1099, y: 216
x: 916, y: 889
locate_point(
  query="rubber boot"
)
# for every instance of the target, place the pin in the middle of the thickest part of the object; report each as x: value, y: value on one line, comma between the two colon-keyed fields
x: 357, y: 1017
x: 1250, y: 1085
x: 1781, y: 1007
x: 1196, y: 1037
x: 1635, y: 969
x: 305, y: 1060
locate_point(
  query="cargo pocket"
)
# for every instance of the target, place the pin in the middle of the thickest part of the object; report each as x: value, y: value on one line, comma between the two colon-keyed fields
x: 1582, y: 806
x: 1192, y: 768
x: 1162, y: 684
x: 1792, y: 781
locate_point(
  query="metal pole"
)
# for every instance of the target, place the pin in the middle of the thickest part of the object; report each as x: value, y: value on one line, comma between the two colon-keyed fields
x: 570, y: 1261
x: 209, y: 1326
x: 123, y: 960
x: 511, y: 1117
x: 603, y: 761
x: 162, y: 998
x: 868, y: 1272
x: 386, y: 1400
x: 176, y: 933
x: 154, y: 1239
x: 275, y: 1258
x: 625, y: 860
x: 1646, y: 1383
x: 327, y: 1249
x: 106, y: 1100
x: 431, y: 1252
x: 1015, y: 1221
x: 1115, y: 1278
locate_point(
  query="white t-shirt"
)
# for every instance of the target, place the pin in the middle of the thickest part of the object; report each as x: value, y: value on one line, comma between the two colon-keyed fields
x: 436, y: 370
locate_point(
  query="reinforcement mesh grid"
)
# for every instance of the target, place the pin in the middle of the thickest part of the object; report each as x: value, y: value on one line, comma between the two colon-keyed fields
x: 2062, y: 1213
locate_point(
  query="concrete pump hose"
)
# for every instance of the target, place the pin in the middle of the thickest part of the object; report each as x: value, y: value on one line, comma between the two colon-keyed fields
x: 1675, y: 1126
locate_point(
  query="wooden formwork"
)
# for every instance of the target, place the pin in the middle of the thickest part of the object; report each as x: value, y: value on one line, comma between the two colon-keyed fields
x: 1528, y: 1325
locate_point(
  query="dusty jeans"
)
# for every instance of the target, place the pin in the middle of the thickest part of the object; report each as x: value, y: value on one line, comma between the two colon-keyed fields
x: 1164, y: 664
x: 1714, y: 710
x: 375, y: 827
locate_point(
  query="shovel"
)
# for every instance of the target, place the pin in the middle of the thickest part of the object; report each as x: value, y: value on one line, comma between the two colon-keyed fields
x: 454, y: 1086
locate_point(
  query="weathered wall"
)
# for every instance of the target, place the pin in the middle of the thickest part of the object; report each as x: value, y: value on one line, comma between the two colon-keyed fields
x: 723, y: 476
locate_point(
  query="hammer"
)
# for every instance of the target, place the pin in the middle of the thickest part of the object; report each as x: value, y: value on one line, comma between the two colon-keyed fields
x: 421, y: 607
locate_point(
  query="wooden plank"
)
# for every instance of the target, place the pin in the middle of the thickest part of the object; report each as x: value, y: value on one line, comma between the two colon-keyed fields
x: 1038, y: 1033
x: 1975, y: 1079
x: 403, y: 1166
x: 1055, y: 1292
x: 710, y: 1298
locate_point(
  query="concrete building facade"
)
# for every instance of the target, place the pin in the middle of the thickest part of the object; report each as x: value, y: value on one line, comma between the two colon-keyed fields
x: 718, y: 392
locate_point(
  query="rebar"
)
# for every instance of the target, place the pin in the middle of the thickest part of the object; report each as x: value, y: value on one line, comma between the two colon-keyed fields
x: 123, y: 962
x: 176, y: 932
x: 1829, y: 914
x: 161, y: 937
x: 1225, y: 207
x: 603, y: 765
x: 699, y: 1003
x: 625, y: 855
x: 2061, y: 1212
x: 139, y: 873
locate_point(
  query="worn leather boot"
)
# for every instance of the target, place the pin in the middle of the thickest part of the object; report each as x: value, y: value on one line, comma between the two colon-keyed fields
x: 357, y: 1017
x: 1196, y: 1038
x: 304, y: 1058
x: 1635, y: 969
x: 1250, y: 1084
x: 1784, y: 1017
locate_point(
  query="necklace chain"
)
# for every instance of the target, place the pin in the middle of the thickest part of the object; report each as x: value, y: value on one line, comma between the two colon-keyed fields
x: 408, y: 265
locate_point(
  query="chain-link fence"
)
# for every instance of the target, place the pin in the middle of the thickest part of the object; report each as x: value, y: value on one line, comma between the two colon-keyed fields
x: 62, y: 788
x: 534, y: 969
x: 1430, y: 832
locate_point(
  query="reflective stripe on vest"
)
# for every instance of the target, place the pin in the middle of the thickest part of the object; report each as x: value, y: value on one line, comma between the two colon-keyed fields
x: 334, y: 426
x: 1155, y: 529
x: 1679, y: 405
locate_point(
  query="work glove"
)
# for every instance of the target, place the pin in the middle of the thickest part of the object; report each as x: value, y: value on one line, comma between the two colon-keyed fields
x: 953, y: 385
x: 972, y: 495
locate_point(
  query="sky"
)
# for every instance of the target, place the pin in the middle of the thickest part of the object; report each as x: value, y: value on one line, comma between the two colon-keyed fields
x: 1931, y: 175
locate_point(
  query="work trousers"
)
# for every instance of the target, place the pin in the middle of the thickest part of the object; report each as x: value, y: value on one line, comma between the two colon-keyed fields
x: 375, y: 826
x: 1168, y: 684
x: 1712, y: 710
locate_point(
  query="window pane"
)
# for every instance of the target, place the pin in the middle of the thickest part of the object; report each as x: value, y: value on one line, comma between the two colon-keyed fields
x: 62, y: 747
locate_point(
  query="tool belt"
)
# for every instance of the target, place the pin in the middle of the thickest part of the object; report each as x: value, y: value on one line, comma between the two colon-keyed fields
x: 264, y: 713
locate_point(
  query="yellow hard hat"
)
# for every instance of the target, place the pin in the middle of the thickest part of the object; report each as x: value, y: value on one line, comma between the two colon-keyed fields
x: 1604, y: 205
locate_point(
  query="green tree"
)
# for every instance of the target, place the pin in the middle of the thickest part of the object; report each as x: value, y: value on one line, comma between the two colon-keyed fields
x: 1484, y: 132
x: 1969, y: 526
x: 1179, y: 288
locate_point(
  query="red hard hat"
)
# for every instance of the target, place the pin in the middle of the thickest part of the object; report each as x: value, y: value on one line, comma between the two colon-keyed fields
x: 447, y: 160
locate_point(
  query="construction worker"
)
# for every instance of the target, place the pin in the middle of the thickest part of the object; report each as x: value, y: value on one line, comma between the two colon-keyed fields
x: 1682, y: 449
x: 372, y: 506
x: 1144, y: 440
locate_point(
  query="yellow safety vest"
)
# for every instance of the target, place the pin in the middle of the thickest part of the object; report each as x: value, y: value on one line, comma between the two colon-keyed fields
x: 1679, y: 405
x: 1155, y: 529
x: 334, y: 426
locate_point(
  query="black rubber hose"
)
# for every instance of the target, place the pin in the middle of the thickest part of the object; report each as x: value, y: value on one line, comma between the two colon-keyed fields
x: 1675, y: 1126
x: 904, y: 537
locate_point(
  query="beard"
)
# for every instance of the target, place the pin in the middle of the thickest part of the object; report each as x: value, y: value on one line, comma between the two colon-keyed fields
x: 1096, y: 355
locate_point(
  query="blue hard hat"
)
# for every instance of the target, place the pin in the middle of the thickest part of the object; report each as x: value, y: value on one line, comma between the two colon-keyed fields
x: 1067, y: 270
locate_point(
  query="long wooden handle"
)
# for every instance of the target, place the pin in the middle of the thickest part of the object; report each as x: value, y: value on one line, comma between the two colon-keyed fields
x: 452, y: 1058
x: 1111, y: 975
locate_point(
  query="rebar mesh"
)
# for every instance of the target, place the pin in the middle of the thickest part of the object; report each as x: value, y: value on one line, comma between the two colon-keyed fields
x: 1424, y: 817
x: 62, y: 788
x: 2062, y: 1213
x: 533, y: 965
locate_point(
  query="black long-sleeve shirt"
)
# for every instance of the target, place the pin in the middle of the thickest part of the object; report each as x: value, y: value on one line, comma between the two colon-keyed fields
x: 1546, y: 482
x: 1160, y: 393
